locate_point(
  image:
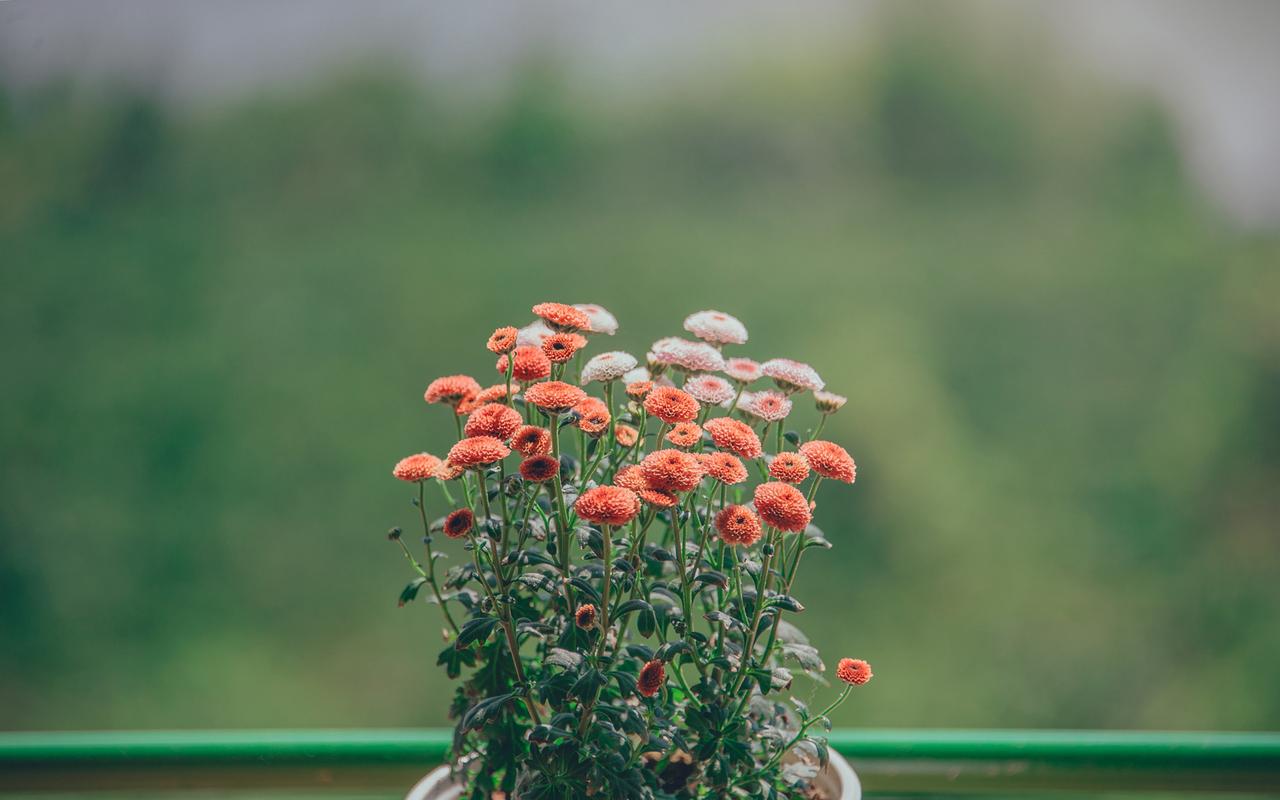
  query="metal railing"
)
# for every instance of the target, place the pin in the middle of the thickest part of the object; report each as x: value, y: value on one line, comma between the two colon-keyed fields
x: 888, y: 761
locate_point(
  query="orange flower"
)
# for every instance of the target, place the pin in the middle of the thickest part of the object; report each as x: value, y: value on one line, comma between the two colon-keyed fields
x: 530, y: 440
x: 631, y: 477
x: 493, y: 419
x: 448, y: 471
x: 593, y: 416
x: 477, y: 451
x: 671, y: 405
x: 560, y: 347
x: 685, y: 434
x: 853, y: 671
x: 459, y: 523
x: 585, y: 616
x: 673, y: 470
x: 652, y: 675
x: 451, y: 389
x: 738, y: 525
x: 608, y: 505
x: 723, y: 467
x: 626, y: 435
x: 783, y: 506
x: 789, y: 467
x: 419, y: 467
x: 554, y: 397
x: 503, y: 340
x: 563, y: 318
x: 539, y: 469
x: 830, y: 460
x: 530, y: 364
x: 734, y: 436
x: 638, y: 389
x: 490, y: 395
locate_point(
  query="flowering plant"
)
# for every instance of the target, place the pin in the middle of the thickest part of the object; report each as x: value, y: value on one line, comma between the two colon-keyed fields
x: 620, y: 616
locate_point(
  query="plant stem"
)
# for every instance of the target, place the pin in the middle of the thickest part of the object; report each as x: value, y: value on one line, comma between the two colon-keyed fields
x: 430, y: 574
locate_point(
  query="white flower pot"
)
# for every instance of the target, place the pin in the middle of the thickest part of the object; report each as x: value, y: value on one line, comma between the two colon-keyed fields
x: 838, y: 779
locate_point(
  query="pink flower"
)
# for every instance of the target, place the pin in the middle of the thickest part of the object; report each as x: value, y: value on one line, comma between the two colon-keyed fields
x: 769, y: 406
x: 716, y: 327
x: 599, y: 320
x: 743, y: 370
x: 792, y: 376
x: 692, y: 356
x: 710, y: 389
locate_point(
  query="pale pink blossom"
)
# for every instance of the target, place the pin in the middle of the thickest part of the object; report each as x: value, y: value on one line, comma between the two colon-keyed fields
x: 608, y: 366
x: 692, y: 356
x: 599, y: 320
x: 743, y: 370
x: 792, y: 375
x: 710, y: 389
x: 716, y: 327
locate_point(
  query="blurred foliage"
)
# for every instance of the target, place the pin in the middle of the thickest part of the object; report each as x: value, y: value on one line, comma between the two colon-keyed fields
x: 216, y: 327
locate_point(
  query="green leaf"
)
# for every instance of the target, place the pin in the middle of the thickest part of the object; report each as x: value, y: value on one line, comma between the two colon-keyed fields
x: 482, y: 712
x: 411, y: 591
x: 475, y: 630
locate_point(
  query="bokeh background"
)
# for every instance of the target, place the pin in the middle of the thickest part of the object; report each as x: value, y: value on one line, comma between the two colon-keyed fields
x: 1034, y: 243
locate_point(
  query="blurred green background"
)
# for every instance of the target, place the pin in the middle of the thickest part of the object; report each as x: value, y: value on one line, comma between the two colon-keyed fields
x: 216, y: 326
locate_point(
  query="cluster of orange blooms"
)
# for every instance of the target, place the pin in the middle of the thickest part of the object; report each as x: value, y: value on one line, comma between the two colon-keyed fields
x: 688, y: 427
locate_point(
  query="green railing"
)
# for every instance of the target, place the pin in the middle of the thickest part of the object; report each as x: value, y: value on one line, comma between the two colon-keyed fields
x: 889, y: 761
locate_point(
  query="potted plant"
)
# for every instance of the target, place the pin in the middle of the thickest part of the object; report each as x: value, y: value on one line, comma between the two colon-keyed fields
x: 621, y: 625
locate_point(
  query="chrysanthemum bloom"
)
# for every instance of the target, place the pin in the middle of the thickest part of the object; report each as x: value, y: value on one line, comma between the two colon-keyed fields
x: 716, y: 327
x: 417, y: 467
x: 459, y: 523
x: 599, y: 320
x: 593, y: 416
x: 449, y: 471
x: 477, y: 451
x: 652, y: 675
x: 491, y: 394
x: 734, y: 436
x: 685, y: 434
x: 554, y: 397
x: 530, y: 440
x: 769, y: 406
x: 673, y: 470
x: 637, y: 374
x: 608, y: 505
x: 563, y: 318
x: 830, y: 460
x: 723, y: 467
x: 853, y: 671
x: 710, y: 389
x: 585, y: 616
x: 692, y: 356
x: 626, y: 435
x: 608, y: 366
x: 792, y: 376
x: 789, y: 467
x: 743, y: 370
x: 560, y: 347
x: 451, y: 389
x: 531, y: 364
x: 533, y: 334
x: 671, y: 405
x: 539, y: 469
x: 638, y: 389
x: 738, y: 525
x: 631, y: 477
x: 503, y: 340
x: 493, y: 419
x: 829, y: 402
x: 783, y: 506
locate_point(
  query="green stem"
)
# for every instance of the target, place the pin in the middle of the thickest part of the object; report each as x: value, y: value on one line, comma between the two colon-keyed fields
x: 430, y: 574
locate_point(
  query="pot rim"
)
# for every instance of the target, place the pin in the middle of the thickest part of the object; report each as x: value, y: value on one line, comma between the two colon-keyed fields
x: 438, y: 779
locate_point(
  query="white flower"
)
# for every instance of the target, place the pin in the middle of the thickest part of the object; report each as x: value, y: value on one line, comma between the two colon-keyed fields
x: 533, y: 334
x: 716, y: 327
x: 693, y: 356
x: 599, y: 319
x: 743, y: 370
x: 769, y: 405
x: 792, y: 374
x: 608, y: 366
x: 710, y: 389
x: 829, y: 402
x: 637, y: 374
